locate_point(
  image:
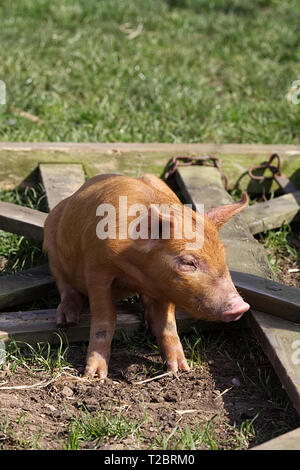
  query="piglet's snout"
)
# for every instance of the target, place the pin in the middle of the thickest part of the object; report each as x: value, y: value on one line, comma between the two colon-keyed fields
x: 235, y: 308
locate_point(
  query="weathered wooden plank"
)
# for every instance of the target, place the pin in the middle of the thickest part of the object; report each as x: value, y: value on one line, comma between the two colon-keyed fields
x: 269, y: 296
x: 60, y: 180
x: 22, y: 220
x: 18, y: 160
x: 15, y: 167
x: 280, y: 340
x: 39, y: 325
x: 203, y: 185
x: 19, y: 288
x: 277, y: 337
x: 271, y: 214
x: 207, y: 148
x: 287, y: 441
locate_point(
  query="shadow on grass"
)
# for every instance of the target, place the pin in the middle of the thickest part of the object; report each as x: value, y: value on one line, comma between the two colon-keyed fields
x: 222, y: 6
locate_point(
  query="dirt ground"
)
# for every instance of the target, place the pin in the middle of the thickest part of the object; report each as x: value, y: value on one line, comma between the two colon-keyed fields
x: 231, y: 399
x: 229, y: 391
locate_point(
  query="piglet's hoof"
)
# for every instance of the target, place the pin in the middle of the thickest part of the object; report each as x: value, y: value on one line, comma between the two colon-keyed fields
x: 176, y: 365
x: 67, y: 315
x: 96, y: 366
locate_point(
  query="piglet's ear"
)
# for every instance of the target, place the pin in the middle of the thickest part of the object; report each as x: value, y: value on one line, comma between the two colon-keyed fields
x: 149, y: 227
x: 220, y: 215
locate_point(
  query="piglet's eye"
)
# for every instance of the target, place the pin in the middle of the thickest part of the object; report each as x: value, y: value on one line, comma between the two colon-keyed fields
x: 187, y: 263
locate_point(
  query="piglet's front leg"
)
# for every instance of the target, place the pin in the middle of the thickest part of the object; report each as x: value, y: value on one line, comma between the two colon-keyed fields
x: 160, y: 318
x: 103, y: 322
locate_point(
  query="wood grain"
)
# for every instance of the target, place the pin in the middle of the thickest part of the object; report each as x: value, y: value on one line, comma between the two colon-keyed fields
x: 269, y: 215
x: 60, y: 180
x: 22, y: 220
x: 26, y: 286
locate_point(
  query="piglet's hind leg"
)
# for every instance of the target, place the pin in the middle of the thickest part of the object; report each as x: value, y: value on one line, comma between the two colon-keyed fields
x: 70, y: 307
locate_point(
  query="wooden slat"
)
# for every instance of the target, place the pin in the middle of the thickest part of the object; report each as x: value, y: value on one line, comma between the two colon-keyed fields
x: 269, y: 296
x: 60, y: 180
x: 19, y: 288
x: 276, y: 336
x: 39, y: 325
x: 271, y: 214
x: 22, y: 220
x: 136, y: 158
x: 280, y: 340
x: 203, y: 185
x: 150, y: 147
x: 287, y: 441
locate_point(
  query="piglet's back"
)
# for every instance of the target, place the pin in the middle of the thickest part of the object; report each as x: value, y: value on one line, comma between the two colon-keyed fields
x: 71, y: 225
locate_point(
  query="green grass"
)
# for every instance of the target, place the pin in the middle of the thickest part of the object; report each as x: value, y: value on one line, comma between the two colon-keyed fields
x: 99, y: 427
x: 40, y: 357
x: 24, y: 439
x: 278, y: 245
x: 153, y: 70
x: 198, y: 346
x: 243, y: 433
x: 183, y: 438
x: 205, y: 436
x: 31, y: 196
x: 17, y: 252
x: 102, y: 426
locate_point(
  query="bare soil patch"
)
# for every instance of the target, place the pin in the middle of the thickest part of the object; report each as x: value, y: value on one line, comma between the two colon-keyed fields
x: 233, y: 393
